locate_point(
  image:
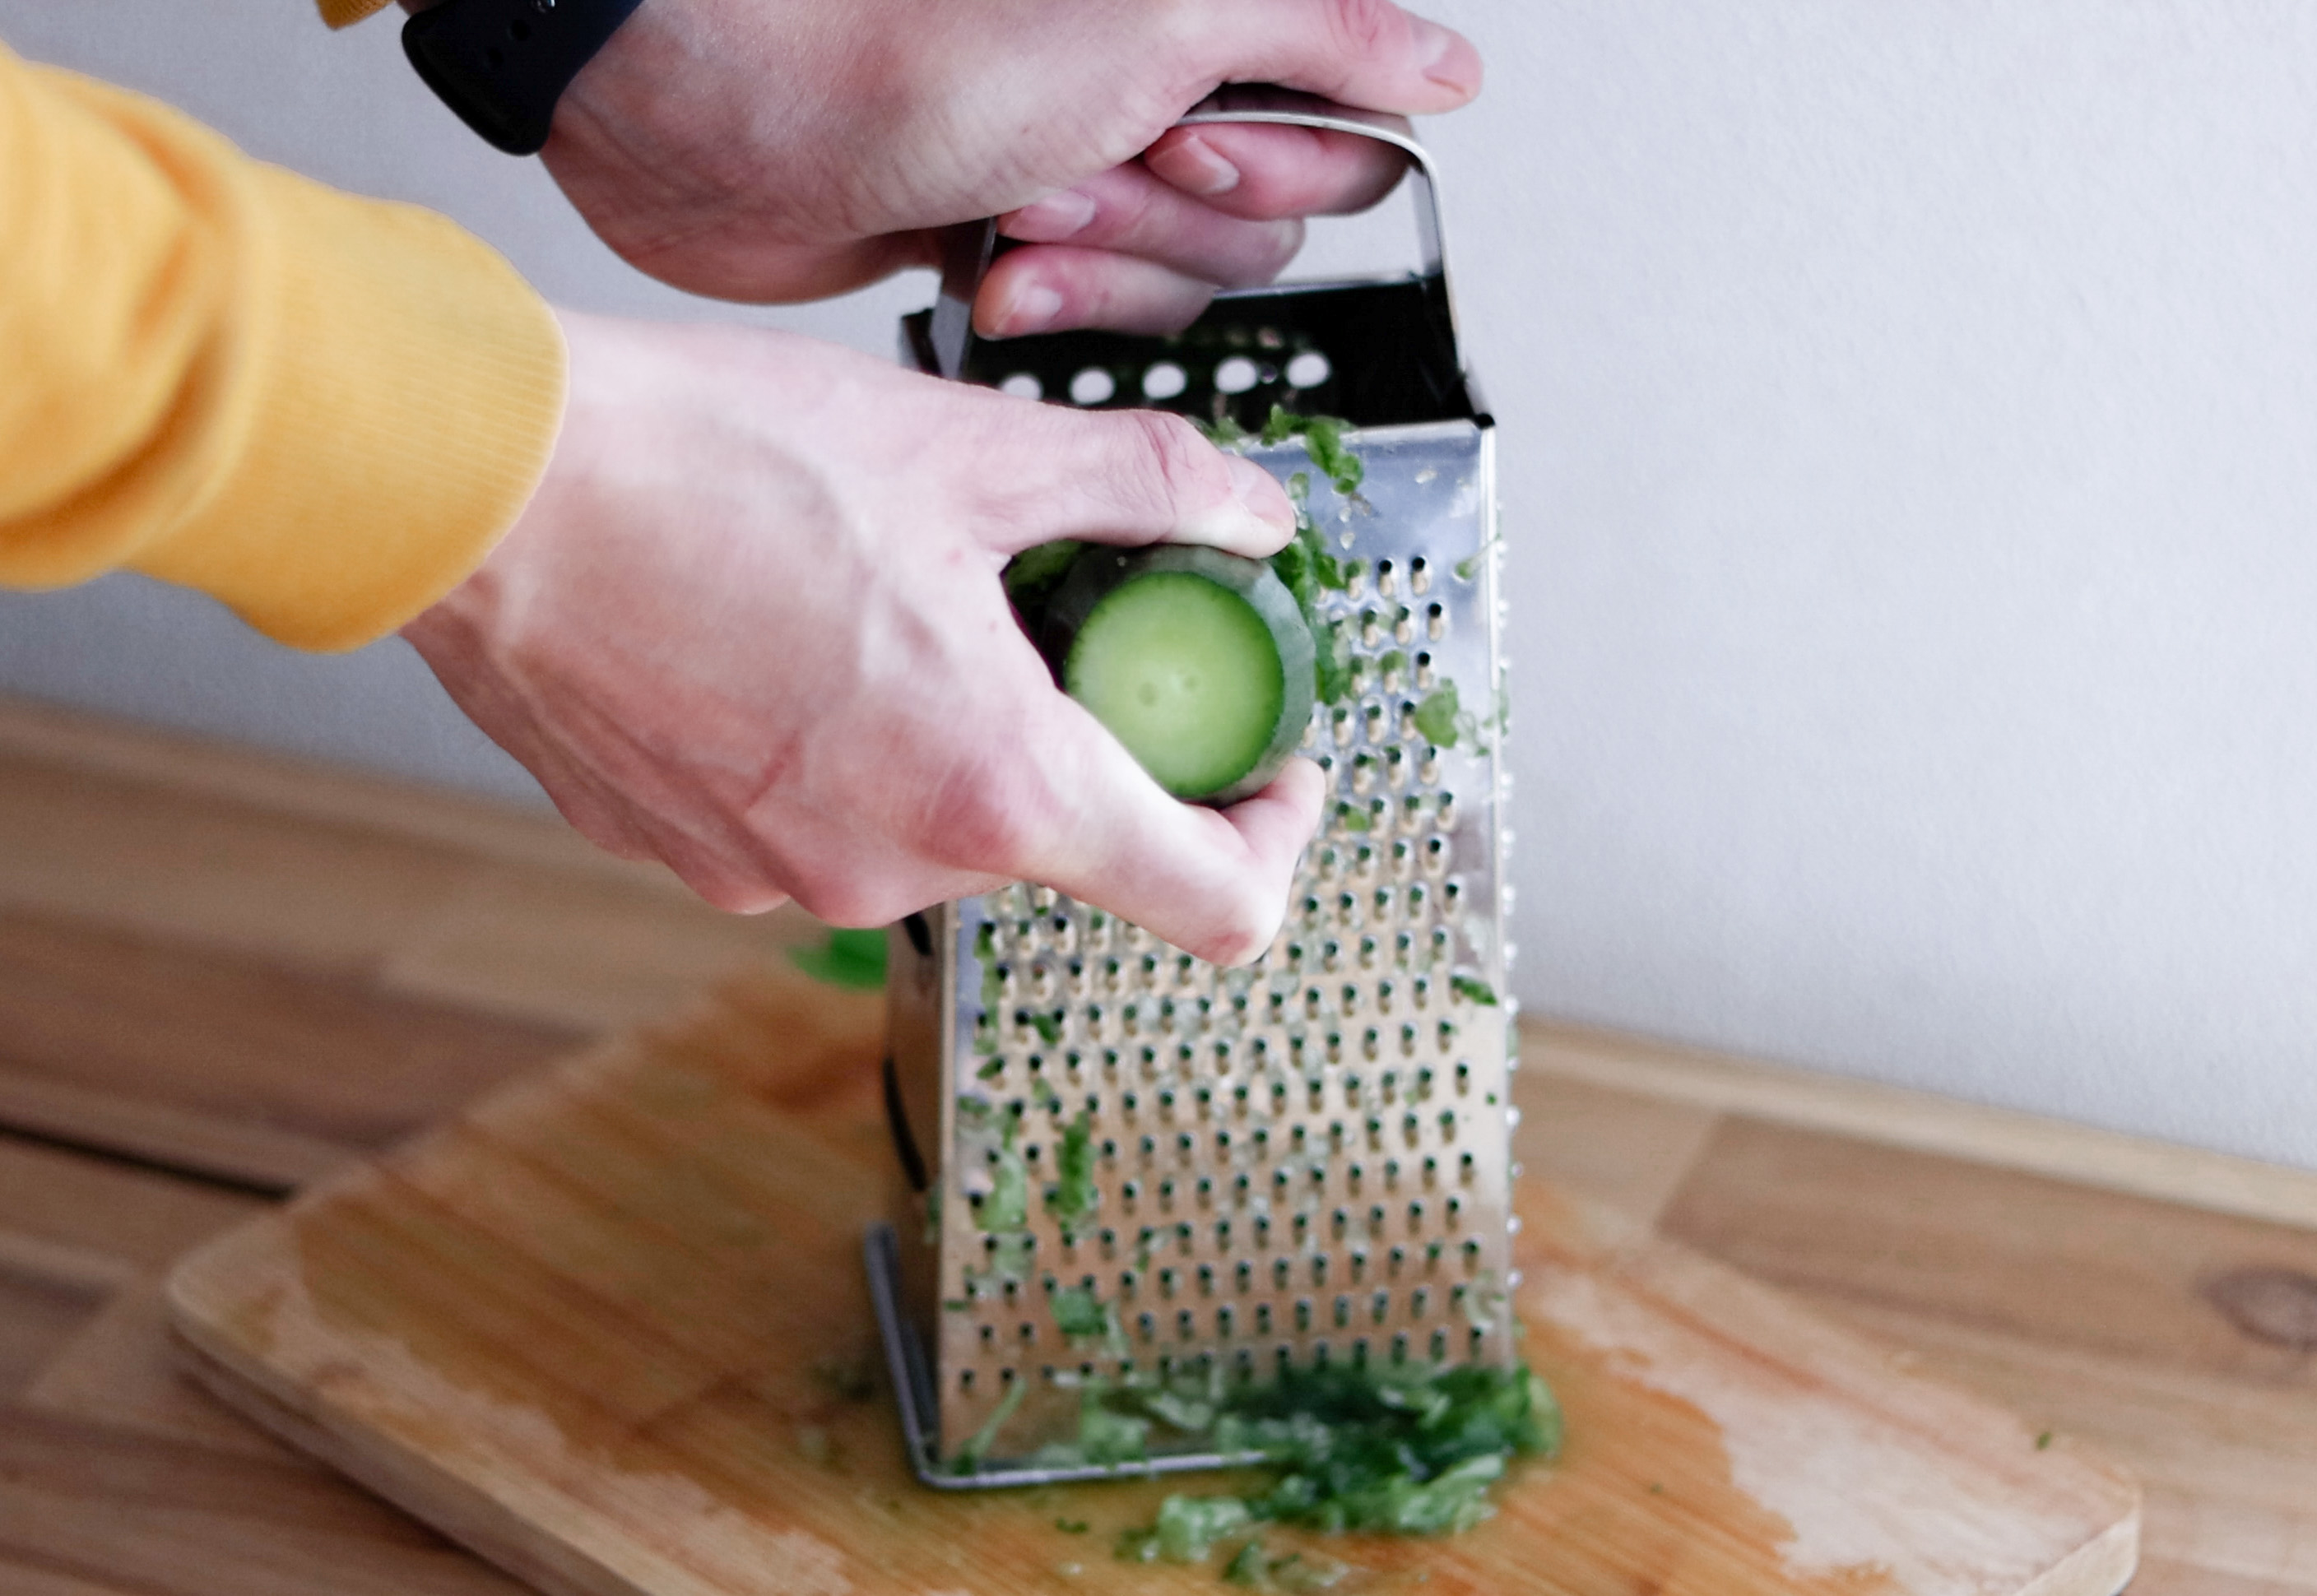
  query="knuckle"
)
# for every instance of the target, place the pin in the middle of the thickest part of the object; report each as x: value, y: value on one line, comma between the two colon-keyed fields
x: 837, y: 898
x: 1278, y: 245
x: 1363, y: 28
x: 990, y: 816
x: 1180, y: 467
x: 1179, y: 27
x: 734, y: 895
x: 1235, y: 943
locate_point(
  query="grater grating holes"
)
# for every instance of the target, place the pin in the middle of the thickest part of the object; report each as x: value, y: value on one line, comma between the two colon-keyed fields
x: 1346, y: 1021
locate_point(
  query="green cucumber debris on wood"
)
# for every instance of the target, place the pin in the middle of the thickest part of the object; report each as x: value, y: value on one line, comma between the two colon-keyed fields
x: 852, y: 958
x: 1199, y: 661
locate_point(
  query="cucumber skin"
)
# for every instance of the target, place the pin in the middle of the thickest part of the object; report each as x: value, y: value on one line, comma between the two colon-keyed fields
x: 1100, y: 570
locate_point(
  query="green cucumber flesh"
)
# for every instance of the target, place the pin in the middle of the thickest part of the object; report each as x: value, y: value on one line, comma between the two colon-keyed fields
x: 1198, y: 661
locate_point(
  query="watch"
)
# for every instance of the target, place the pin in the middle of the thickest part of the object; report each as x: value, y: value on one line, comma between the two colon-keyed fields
x: 502, y: 64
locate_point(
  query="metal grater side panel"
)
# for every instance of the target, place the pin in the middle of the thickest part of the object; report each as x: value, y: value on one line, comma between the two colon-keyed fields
x: 1300, y: 1161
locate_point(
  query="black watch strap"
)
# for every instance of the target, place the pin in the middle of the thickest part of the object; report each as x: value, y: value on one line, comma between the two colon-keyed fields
x: 502, y: 64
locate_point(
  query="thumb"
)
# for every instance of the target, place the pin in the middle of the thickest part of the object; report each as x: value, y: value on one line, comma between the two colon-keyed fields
x: 1129, y: 476
x: 1214, y: 883
x: 1366, y: 53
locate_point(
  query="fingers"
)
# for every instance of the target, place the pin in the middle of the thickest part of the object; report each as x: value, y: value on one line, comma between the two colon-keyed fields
x: 1212, y: 883
x: 1254, y: 170
x: 1045, y: 288
x: 1368, y: 53
x: 1128, y: 210
x: 1129, y: 476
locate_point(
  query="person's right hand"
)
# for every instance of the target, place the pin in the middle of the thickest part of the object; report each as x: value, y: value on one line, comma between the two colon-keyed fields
x: 752, y: 625
x: 788, y: 149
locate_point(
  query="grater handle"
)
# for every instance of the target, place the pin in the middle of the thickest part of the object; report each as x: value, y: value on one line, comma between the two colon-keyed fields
x: 971, y: 246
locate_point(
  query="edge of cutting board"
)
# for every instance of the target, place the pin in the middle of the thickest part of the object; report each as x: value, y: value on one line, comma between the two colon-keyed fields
x: 1697, y: 1396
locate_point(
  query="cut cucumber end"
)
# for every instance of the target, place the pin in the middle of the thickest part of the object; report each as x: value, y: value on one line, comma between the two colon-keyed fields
x: 1198, y: 661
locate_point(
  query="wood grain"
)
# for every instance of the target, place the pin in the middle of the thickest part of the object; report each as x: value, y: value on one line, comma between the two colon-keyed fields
x: 353, y: 884
x: 577, y: 1327
x: 225, y: 1038
x: 1869, y: 1111
x: 2089, y: 1312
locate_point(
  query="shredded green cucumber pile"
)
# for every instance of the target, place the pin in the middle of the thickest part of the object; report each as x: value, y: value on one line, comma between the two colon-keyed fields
x: 1386, y: 1450
x: 1390, y: 1449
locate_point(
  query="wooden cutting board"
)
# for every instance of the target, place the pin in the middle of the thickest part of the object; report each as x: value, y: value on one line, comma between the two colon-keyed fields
x: 609, y: 1329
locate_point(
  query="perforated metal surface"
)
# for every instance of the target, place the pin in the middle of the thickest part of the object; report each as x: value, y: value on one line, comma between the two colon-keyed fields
x: 1298, y: 1161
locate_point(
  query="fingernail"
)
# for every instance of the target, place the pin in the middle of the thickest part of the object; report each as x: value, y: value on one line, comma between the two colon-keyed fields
x: 1255, y: 522
x: 1259, y: 494
x: 1191, y: 164
x: 1449, y: 59
x: 1031, y: 309
x: 1051, y: 219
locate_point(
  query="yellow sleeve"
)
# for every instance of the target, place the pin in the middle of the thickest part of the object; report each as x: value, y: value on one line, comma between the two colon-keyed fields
x: 345, y: 14
x: 323, y: 410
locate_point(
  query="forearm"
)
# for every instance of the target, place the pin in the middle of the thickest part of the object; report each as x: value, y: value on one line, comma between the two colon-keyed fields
x: 322, y: 410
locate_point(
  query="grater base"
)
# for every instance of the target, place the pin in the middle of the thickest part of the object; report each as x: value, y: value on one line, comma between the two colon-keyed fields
x: 915, y: 1394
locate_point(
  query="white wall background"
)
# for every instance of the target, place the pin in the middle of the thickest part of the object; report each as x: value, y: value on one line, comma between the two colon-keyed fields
x: 1911, y: 415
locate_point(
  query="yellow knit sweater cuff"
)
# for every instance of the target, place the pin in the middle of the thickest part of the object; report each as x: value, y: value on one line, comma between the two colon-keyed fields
x: 403, y: 389
x: 323, y: 410
x: 345, y: 14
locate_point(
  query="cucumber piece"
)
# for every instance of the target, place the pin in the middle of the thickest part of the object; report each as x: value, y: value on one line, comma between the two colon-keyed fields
x: 1198, y: 661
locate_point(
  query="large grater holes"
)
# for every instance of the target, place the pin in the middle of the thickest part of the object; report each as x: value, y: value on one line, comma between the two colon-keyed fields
x: 1287, y: 1087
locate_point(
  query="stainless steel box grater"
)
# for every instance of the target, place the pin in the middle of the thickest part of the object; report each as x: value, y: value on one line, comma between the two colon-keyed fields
x: 1302, y: 1160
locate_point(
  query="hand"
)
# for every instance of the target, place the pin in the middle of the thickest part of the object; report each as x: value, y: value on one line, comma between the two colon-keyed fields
x: 752, y: 625
x: 788, y: 149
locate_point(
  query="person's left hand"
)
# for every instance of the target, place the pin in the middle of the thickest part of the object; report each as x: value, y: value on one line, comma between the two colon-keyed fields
x: 781, y: 150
